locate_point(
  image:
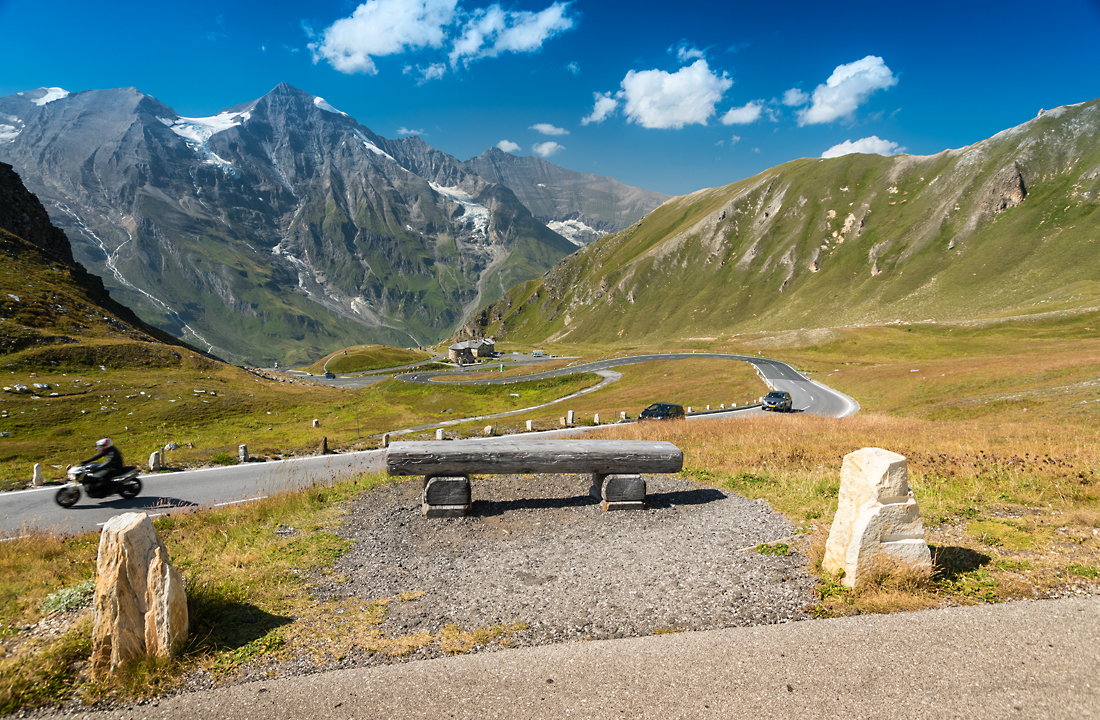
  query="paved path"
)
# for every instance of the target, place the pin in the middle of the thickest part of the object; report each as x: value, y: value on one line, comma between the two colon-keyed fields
x: 1033, y: 659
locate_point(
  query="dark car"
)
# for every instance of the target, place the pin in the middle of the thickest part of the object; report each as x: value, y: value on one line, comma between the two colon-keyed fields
x: 662, y: 411
x: 778, y: 400
x: 330, y: 376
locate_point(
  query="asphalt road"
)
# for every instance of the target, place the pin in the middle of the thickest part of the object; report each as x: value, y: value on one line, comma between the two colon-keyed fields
x: 35, y: 509
x: 807, y: 395
x: 1029, y: 659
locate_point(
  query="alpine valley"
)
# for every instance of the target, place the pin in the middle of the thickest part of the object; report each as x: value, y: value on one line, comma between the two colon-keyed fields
x: 281, y: 228
x: 1007, y: 227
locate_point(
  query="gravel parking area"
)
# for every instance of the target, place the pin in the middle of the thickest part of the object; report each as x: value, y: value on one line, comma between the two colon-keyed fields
x: 538, y: 550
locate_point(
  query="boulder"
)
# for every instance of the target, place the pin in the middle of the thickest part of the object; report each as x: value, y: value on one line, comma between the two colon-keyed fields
x: 140, y: 603
x: 877, y: 519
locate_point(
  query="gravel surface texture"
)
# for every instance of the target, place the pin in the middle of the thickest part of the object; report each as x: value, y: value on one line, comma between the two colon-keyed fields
x: 538, y: 550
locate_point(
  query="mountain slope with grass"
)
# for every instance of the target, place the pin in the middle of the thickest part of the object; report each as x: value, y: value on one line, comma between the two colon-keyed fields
x: 52, y: 310
x: 1007, y: 226
x: 279, y: 229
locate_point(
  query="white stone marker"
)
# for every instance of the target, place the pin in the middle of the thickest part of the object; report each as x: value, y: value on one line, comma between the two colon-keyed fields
x: 316, y: 422
x: 596, y: 419
x: 877, y: 517
x: 570, y: 417
x: 154, y: 461
x: 36, y: 475
x: 242, y: 453
x: 488, y: 429
x: 530, y: 425
x: 439, y: 434
x: 140, y: 603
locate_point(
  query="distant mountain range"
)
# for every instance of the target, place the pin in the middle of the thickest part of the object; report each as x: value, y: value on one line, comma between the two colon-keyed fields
x: 1007, y: 226
x: 281, y: 228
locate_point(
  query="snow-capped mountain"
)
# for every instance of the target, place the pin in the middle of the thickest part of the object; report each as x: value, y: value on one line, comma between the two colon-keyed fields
x: 275, y: 229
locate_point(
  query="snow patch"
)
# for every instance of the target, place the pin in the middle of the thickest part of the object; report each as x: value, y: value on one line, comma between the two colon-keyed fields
x: 8, y: 133
x: 198, y: 131
x: 372, y: 147
x: 320, y: 102
x: 575, y: 231
x: 51, y: 95
x: 475, y: 213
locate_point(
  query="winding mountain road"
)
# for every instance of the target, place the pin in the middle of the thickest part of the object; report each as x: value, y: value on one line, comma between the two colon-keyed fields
x: 34, y: 509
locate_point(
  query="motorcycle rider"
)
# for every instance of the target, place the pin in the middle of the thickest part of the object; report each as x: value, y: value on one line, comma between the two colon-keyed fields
x: 111, y: 466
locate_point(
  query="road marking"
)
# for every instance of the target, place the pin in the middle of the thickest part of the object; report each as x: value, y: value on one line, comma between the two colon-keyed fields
x: 17, y: 537
x: 237, y: 502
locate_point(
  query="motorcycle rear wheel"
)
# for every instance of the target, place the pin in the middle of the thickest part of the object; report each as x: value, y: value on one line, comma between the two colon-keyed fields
x: 67, y: 496
x: 130, y: 489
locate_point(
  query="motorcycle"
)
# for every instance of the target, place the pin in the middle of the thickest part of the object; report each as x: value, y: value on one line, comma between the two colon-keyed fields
x: 126, y: 483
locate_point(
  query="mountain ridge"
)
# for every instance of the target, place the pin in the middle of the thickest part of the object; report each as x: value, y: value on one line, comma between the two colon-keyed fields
x: 278, y: 219
x: 1005, y: 225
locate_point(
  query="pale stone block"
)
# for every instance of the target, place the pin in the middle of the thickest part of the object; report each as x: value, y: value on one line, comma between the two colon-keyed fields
x: 316, y: 422
x: 530, y: 425
x: 596, y: 419
x: 439, y: 434
x: 140, y: 603
x: 154, y: 461
x: 570, y: 417
x: 242, y: 453
x: 877, y: 517
x: 36, y: 475
x: 488, y: 430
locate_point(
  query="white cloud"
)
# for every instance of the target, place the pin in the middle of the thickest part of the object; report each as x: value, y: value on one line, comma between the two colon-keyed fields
x: 574, y: 68
x: 547, y: 148
x: 383, y: 27
x: 493, y: 30
x: 734, y: 140
x: 685, y: 51
x: 657, y: 99
x: 605, y: 105
x: 406, y: 131
x: 872, y: 145
x: 435, y: 71
x: 508, y: 146
x: 744, y: 115
x: 846, y: 89
x: 795, y: 98
x: 548, y: 129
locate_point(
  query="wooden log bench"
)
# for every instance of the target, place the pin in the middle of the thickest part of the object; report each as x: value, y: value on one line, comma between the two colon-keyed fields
x: 615, y: 467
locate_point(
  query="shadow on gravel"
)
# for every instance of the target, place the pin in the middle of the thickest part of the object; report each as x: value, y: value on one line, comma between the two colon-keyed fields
x: 701, y: 496
x: 950, y: 562
x: 489, y: 508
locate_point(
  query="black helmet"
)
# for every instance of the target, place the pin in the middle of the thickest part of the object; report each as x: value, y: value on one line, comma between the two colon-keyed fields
x: 103, y: 443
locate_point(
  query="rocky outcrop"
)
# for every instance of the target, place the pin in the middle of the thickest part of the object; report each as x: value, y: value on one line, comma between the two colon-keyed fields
x: 21, y: 214
x: 140, y: 603
x: 1006, y: 190
x: 877, y: 521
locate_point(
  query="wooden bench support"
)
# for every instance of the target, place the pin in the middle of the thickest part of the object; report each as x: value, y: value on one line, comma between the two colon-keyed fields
x: 619, y: 491
x: 446, y: 496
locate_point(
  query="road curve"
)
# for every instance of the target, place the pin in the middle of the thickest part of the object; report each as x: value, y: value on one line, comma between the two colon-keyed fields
x: 808, y: 395
x: 23, y: 510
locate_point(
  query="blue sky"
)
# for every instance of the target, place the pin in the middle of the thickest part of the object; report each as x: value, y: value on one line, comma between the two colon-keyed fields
x: 667, y: 96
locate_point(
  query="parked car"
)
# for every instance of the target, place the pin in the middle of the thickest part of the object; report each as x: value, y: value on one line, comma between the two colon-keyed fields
x: 778, y: 400
x: 330, y: 376
x: 662, y: 411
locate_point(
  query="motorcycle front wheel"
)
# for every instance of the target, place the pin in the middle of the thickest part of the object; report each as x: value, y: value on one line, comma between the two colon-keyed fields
x: 130, y: 489
x: 67, y: 496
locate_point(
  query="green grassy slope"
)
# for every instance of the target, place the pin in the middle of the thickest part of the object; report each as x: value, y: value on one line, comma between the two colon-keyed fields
x: 1007, y: 226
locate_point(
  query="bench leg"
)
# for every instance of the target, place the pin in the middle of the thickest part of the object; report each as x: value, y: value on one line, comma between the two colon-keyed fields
x: 446, y: 496
x: 619, y: 491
